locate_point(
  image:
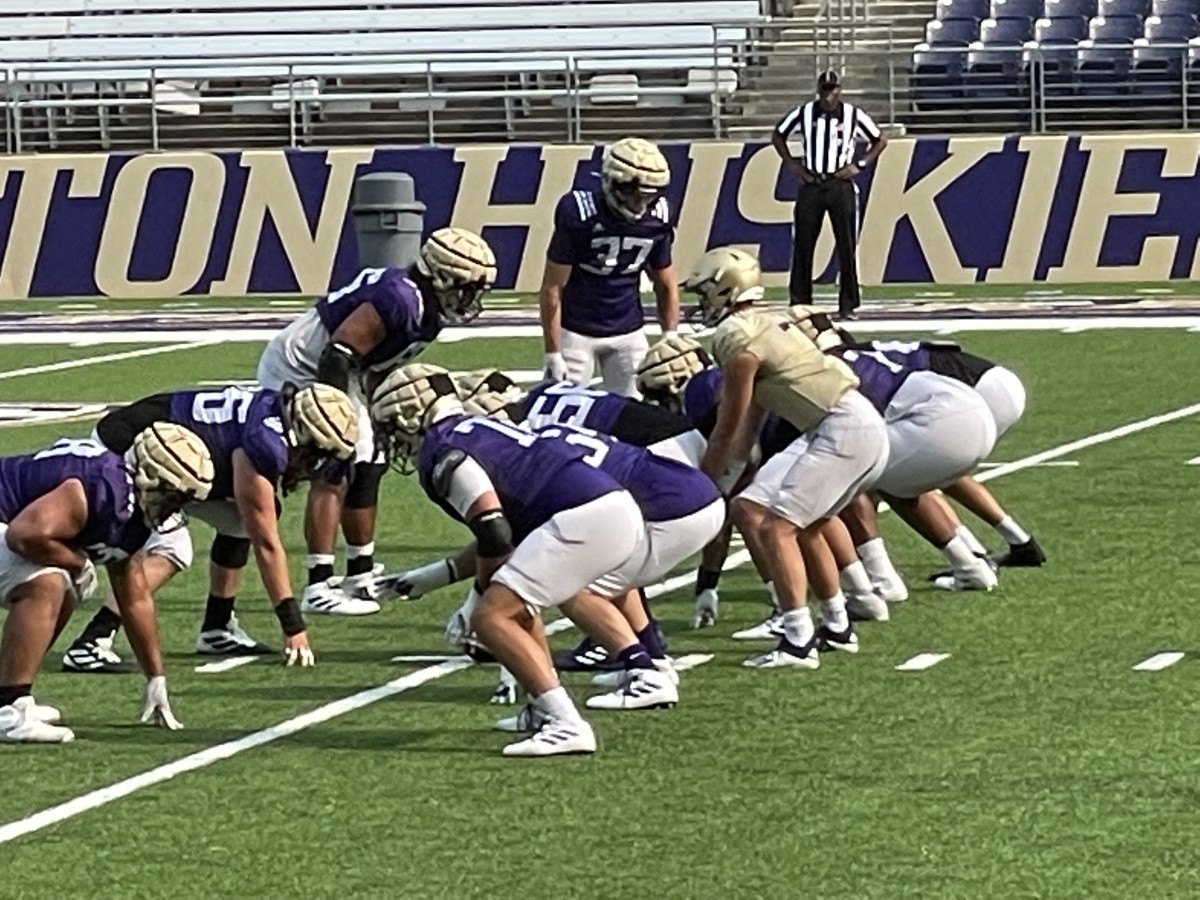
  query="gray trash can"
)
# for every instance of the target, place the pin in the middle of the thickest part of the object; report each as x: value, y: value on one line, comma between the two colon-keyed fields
x: 388, y: 219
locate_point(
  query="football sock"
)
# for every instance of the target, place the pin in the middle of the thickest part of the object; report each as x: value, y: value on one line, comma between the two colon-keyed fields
x: 217, y: 613
x: 875, y: 557
x: 649, y: 638
x: 833, y: 613
x: 104, y: 624
x: 557, y: 704
x: 320, y: 567
x: 1011, y: 531
x: 959, y: 555
x: 360, y: 559
x: 972, y: 542
x: 798, y: 626
x: 635, y: 656
x: 10, y: 693
x: 855, y: 579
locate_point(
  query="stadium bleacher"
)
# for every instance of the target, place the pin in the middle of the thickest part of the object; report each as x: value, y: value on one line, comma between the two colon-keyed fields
x: 1001, y: 60
x: 313, y: 60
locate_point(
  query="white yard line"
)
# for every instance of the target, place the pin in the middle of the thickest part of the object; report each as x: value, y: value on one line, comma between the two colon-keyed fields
x: 232, y: 662
x: 921, y: 662
x: 102, y: 796
x: 1057, y: 464
x: 106, y: 358
x: 1159, y: 661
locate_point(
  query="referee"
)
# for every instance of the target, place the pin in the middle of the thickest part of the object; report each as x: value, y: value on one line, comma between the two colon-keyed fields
x: 829, y: 131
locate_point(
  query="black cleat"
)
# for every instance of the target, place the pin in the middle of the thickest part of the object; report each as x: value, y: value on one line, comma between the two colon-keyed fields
x: 96, y: 657
x: 1022, y: 556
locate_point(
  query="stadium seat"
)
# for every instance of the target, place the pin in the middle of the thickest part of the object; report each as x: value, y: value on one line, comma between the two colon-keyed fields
x: 1164, y: 29
x: 1059, y: 9
x: 1103, y: 67
x: 1159, y: 56
x: 951, y: 32
x: 1113, y: 8
x: 936, y: 76
x: 1053, y: 50
x: 1007, y: 31
x: 992, y: 80
x: 1016, y: 9
x: 1114, y: 28
x: 962, y: 9
x: 1175, y: 8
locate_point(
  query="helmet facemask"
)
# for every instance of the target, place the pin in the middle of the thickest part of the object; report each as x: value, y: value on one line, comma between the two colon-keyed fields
x: 460, y: 267
x: 406, y: 405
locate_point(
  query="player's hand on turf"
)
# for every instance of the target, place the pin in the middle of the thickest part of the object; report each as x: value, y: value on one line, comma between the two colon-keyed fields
x: 156, y: 706
x: 554, y: 367
x: 297, y: 652
x: 505, y: 693
x: 83, y: 585
x: 707, y: 602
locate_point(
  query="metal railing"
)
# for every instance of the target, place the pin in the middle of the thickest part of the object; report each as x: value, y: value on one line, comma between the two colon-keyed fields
x: 729, y: 87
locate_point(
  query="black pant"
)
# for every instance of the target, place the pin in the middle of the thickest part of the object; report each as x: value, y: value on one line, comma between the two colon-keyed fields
x: 838, y: 198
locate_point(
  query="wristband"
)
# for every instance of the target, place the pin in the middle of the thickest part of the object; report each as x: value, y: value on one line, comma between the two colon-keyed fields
x: 290, y: 620
x: 452, y: 570
x: 706, y: 579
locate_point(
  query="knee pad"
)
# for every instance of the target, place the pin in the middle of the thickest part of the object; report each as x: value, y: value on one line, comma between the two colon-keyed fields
x: 230, y: 552
x: 363, y: 492
x: 174, y: 546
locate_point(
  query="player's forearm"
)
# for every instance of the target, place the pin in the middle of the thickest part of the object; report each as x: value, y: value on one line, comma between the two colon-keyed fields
x: 550, y: 309
x: 137, y: 615
x: 667, y: 300
x: 45, y: 551
x: 273, y: 569
x: 875, y: 149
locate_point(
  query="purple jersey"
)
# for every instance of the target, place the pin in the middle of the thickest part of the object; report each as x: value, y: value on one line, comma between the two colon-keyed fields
x: 880, y: 377
x: 624, y: 418
x: 607, y: 254
x: 702, y: 396
x: 535, y: 476
x: 115, y: 528
x: 235, y: 419
x: 411, y: 323
x: 942, y: 358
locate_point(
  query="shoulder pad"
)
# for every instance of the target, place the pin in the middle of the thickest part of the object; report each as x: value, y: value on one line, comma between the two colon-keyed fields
x: 443, y: 470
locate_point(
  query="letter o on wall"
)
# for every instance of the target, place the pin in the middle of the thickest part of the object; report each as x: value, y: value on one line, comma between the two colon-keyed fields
x: 126, y: 204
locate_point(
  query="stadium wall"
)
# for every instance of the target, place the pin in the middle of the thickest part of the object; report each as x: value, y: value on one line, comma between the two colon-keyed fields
x: 1052, y: 208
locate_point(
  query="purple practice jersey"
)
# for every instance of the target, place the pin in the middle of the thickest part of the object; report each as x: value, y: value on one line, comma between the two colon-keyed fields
x: 411, y: 323
x: 534, y: 476
x: 663, y: 488
x: 235, y: 418
x: 115, y: 527
x: 607, y: 254
x: 941, y: 358
x: 880, y: 377
x: 702, y: 396
x: 624, y: 418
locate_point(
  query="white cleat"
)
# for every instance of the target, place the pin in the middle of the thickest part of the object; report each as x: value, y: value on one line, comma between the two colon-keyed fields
x: 981, y: 578
x: 640, y: 689
x: 364, y: 586
x: 327, y: 598
x: 867, y: 607
x: 556, y: 738
x: 769, y: 629
x: 787, y: 656
x: 230, y: 640
x: 617, y: 677
x: 26, y: 722
x: 892, y: 590
x: 527, y: 721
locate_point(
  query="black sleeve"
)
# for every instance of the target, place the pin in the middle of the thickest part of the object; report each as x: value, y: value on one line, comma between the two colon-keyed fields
x: 643, y: 424
x: 964, y: 367
x: 337, y: 364
x: 117, y: 430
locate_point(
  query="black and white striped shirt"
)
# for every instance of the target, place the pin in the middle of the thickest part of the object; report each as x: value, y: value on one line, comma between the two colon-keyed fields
x: 828, y: 138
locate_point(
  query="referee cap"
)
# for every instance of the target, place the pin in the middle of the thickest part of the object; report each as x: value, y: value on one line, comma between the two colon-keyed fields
x: 828, y: 80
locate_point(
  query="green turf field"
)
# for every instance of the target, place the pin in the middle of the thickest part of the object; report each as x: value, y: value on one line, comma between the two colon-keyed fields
x: 1032, y: 762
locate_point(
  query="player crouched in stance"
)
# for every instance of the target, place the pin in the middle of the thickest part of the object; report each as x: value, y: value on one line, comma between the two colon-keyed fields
x: 590, y: 299
x: 260, y: 441
x: 382, y: 319
x: 61, y: 511
x: 551, y: 528
x: 770, y: 364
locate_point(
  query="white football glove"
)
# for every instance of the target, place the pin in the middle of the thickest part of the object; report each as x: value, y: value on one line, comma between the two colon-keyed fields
x: 506, y: 691
x: 707, y: 602
x: 156, y: 706
x: 83, y: 585
x: 416, y: 583
x: 297, y: 652
x: 458, y: 629
x: 554, y: 367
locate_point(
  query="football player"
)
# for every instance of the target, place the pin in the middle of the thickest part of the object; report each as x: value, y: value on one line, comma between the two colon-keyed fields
x: 62, y: 511
x: 383, y: 318
x: 590, y: 299
x: 260, y: 441
x: 771, y: 364
x: 551, y: 529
